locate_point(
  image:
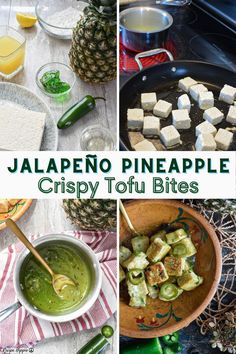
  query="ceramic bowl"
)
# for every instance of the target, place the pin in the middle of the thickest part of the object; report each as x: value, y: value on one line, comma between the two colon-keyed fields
x: 160, y: 318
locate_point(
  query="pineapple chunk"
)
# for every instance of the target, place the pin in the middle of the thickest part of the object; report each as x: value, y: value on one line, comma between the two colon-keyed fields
x: 174, y: 266
x: 138, y: 294
x: 159, y: 235
x: 189, y: 281
x: 140, y: 243
x: 157, y: 250
x: 121, y: 274
x: 176, y: 236
x: 156, y: 274
x: 138, y: 261
x: 125, y: 253
x: 184, y: 248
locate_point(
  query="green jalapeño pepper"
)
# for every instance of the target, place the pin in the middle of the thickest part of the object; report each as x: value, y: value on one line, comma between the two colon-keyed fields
x: 107, y: 331
x: 169, y: 292
x: 146, y: 346
x: 171, y: 339
x: 95, y: 345
x: 136, y: 276
x: 169, y: 350
x: 77, y: 111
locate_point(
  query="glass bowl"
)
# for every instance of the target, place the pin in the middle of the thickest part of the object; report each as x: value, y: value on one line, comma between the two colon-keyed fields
x: 57, y: 18
x: 96, y: 138
x: 66, y: 75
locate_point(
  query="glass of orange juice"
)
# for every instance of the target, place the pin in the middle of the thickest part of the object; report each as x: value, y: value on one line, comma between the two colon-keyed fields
x: 12, y: 52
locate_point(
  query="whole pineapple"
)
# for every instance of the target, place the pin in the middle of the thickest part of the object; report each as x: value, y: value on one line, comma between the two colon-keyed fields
x: 93, y: 51
x: 91, y: 214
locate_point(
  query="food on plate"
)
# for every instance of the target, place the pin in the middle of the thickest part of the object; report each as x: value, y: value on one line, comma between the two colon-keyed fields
x: 205, y: 142
x: 196, y: 89
x: 21, y: 129
x: 148, y: 101
x: 231, y: 116
x: 161, y: 266
x: 181, y: 119
x: 12, y: 54
x: 4, y: 206
x: 162, y: 109
x: 206, y: 100
x: 186, y: 83
x: 52, y: 83
x: 228, y: 94
x: 151, y: 126
x: 170, y: 136
x: 213, y: 115
x: 223, y: 139
x: 13, y: 202
x: 26, y: 20
x: 206, y: 128
x: 36, y: 282
x: 144, y: 145
x: 184, y: 102
x: 135, y: 118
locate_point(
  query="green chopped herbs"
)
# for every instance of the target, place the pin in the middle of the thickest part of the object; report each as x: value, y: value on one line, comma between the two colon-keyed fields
x: 52, y: 83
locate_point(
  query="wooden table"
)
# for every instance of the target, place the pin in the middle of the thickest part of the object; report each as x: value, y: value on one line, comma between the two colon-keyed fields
x: 42, y: 49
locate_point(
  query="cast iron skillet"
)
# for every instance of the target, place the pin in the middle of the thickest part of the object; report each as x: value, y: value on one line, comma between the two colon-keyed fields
x: 163, y: 79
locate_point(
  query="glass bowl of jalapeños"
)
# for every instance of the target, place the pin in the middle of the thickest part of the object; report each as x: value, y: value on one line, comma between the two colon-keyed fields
x: 55, y: 80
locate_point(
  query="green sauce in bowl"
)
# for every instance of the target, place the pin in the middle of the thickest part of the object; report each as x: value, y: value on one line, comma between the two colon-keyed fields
x: 36, y: 282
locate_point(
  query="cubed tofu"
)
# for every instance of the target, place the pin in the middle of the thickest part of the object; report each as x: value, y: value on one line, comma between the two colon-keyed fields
x: 205, y: 142
x: 176, y: 236
x: 148, y: 101
x: 213, y: 115
x: 140, y: 243
x: 196, y: 89
x: 189, y: 281
x: 151, y: 126
x: 135, y: 117
x: 138, y: 261
x: 170, y: 136
x: 124, y: 254
x: 181, y: 119
x: 138, y: 294
x: 228, y: 94
x: 205, y: 128
x: 144, y: 145
x: 231, y: 116
x: 206, y: 100
x: 184, y: 248
x: 156, y: 274
x: 159, y: 235
x: 4, y: 206
x: 157, y: 250
x: 162, y: 109
x: 153, y: 291
x: 174, y: 266
x: 184, y: 102
x: 121, y: 274
x: 186, y: 83
x: 223, y: 139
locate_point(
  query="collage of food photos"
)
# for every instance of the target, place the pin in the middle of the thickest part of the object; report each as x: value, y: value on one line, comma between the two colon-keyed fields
x: 131, y: 276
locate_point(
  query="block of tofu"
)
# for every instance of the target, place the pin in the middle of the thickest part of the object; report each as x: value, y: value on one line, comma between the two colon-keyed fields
x: 206, y: 100
x: 205, y: 128
x: 205, y: 142
x: 174, y: 266
x: 170, y: 136
x: 144, y: 145
x: 138, y: 294
x: 136, y: 261
x: 4, y: 206
x: 156, y: 274
x: 124, y: 254
x: 162, y: 109
x: 159, y: 234
x: 184, y: 102
x: 21, y: 129
x: 189, y: 281
x: 196, y: 89
x: 184, y: 248
x: 213, y: 115
x: 186, y: 83
x: 223, y: 139
x: 175, y: 236
x: 151, y: 126
x: 135, y: 118
x: 228, y: 94
x: 157, y: 250
x: 181, y: 119
x: 231, y: 116
x: 148, y: 101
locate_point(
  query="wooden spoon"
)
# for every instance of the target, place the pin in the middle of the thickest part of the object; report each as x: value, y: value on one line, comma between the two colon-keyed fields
x: 127, y: 219
x: 59, y: 281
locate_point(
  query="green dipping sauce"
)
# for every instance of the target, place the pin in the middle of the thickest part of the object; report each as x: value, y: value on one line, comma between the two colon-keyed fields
x: 36, y: 282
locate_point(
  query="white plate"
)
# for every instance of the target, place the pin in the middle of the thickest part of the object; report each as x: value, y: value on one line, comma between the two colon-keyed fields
x: 19, y: 96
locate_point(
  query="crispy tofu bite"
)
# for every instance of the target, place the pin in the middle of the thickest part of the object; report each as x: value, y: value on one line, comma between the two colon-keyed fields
x: 124, y: 254
x: 136, y: 261
x: 184, y: 248
x: 157, y: 250
x: 140, y: 243
x: 156, y: 274
x: 189, y: 281
x: 138, y: 294
x: 159, y: 235
x: 174, y: 266
x: 176, y: 236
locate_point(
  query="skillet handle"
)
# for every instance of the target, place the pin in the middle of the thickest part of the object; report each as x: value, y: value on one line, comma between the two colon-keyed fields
x: 9, y: 311
x: 149, y: 53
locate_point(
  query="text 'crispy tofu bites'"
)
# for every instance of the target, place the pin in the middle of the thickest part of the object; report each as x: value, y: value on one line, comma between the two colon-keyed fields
x: 137, y: 261
x: 176, y: 236
x: 162, y: 109
x: 184, y: 248
x: 138, y: 294
x: 156, y: 274
x: 135, y: 117
x: 228, y: 94
x: 157, y: 250
x: 186, y: 83
x: 189, y: 281
x: 174, y: 265
x: 148, y: 101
